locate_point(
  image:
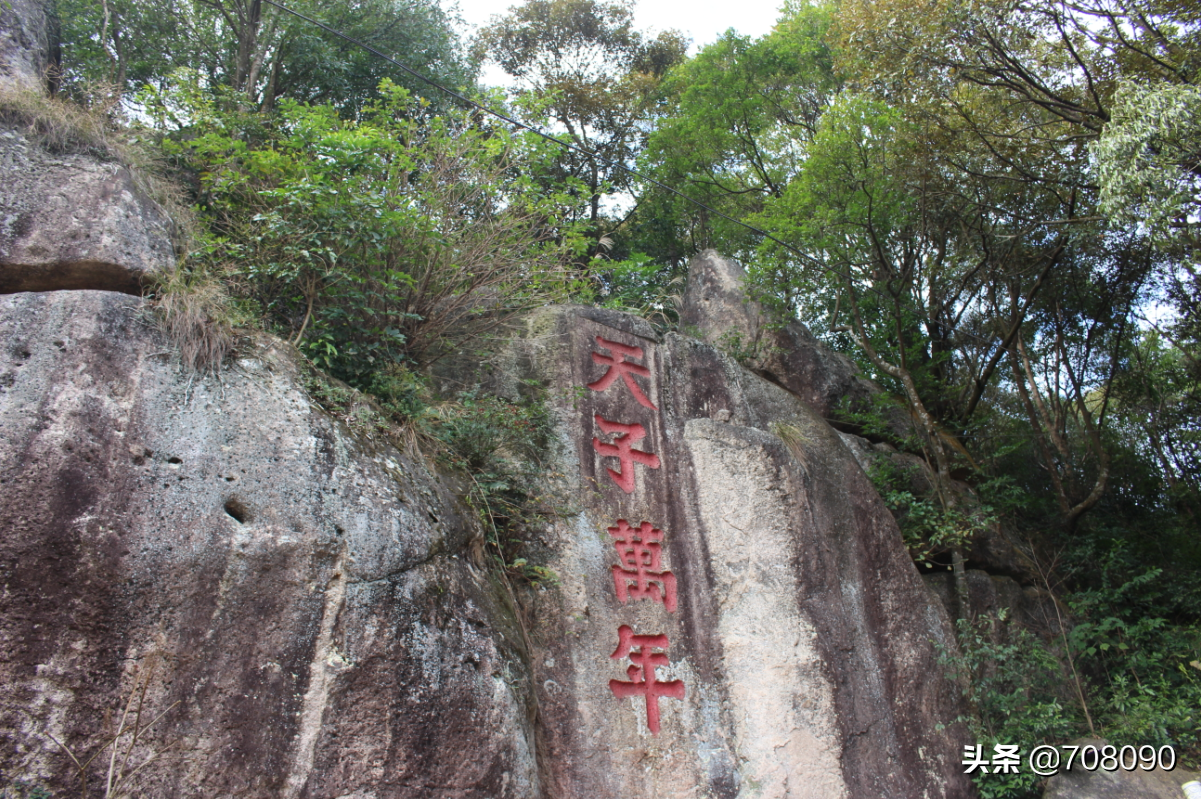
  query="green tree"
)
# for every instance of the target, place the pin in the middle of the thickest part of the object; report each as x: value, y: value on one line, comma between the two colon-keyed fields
x: 389, y: 240
x: 1117, y: 74
x: 260, y: 52
x: 735, y: 130
x: 1158, y: 401
x: 1148, y: 164
x: 596, y: 76
x: 1065, y: 58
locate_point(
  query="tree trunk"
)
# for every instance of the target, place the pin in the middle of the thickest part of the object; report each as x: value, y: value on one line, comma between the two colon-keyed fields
x: 247, y: 41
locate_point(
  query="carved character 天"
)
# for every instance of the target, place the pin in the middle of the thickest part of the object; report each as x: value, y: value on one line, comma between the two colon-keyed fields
x: 621, y: 448
x: 641, y: 575
x: 620, y: 367
x: 643, y: 682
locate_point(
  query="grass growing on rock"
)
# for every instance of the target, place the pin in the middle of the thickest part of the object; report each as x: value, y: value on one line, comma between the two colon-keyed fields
x: 197, y: 313
x: 62, y: 126
x: 493, y: 445
x: 65, y: 127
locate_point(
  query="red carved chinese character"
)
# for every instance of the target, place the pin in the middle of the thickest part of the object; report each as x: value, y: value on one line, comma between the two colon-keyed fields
x: 640, y: 574
x: 619, y: 366
x: 642, y: 674
x: 627, y: 434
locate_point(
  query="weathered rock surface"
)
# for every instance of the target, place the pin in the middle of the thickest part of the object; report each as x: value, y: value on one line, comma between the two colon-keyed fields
x: 1079, y: 783
x: 72, y: 221
x: 1028, y: 607
x: 25, y: 44
x: 715, y: 307
x: 297, y: 599
x: 801, y: 632
x: 994, y: 548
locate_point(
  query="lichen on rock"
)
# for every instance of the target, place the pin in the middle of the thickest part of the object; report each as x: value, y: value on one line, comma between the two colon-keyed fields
x: 310, y: 598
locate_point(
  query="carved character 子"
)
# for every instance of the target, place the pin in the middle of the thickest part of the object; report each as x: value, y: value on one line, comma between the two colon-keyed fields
x: 620, y: 367
x: 627, y: 434
x: 641, y: 575
x: 642, y: 674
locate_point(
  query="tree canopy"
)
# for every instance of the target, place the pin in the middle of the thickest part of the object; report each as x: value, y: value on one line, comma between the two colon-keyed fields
x: 258, y: 51
x: 596, y: 76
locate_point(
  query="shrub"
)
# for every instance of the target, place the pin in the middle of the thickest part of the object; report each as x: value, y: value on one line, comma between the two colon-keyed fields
x: 396, y: 238
x: 1138, y: 655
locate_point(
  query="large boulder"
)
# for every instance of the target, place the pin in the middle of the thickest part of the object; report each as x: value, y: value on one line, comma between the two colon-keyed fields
x: 792, y: 649
x: 69, y: 220
x: 299, y: 601
x: 25, y: 45
x: 1079, y: 782
x: 717, y: 310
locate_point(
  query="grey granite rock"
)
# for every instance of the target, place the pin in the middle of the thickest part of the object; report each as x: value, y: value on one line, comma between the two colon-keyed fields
x: 25, y: 45
x: 72, y: 221
x: 800, y: 630
x: 301, y: 601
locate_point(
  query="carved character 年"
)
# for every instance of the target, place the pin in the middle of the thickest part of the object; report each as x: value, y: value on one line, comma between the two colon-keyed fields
x: 642, y: 674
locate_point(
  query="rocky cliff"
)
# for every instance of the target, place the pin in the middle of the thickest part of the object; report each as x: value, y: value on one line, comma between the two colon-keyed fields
x: 299, y: 601
x: 303, y: 605
x: 721, y: 518
x: 250, y: 598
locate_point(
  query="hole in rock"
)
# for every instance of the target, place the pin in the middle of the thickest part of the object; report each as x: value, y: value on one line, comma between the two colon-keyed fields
x: 238, y: 510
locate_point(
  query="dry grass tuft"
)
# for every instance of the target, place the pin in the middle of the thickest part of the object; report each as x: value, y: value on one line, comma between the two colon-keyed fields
x: 196, y: 312
x: 62, y: 126
x: 796, y: 442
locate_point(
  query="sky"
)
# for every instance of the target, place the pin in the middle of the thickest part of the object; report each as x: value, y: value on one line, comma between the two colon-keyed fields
x: 701, y: 21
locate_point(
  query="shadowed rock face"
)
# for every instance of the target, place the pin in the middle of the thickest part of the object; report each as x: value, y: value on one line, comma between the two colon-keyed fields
x: 70, y: 221
x: 801, y: 632
x: 298, y: 600
x: 1100, y: 783
x: 25, y: 43
x: 716, y: 308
